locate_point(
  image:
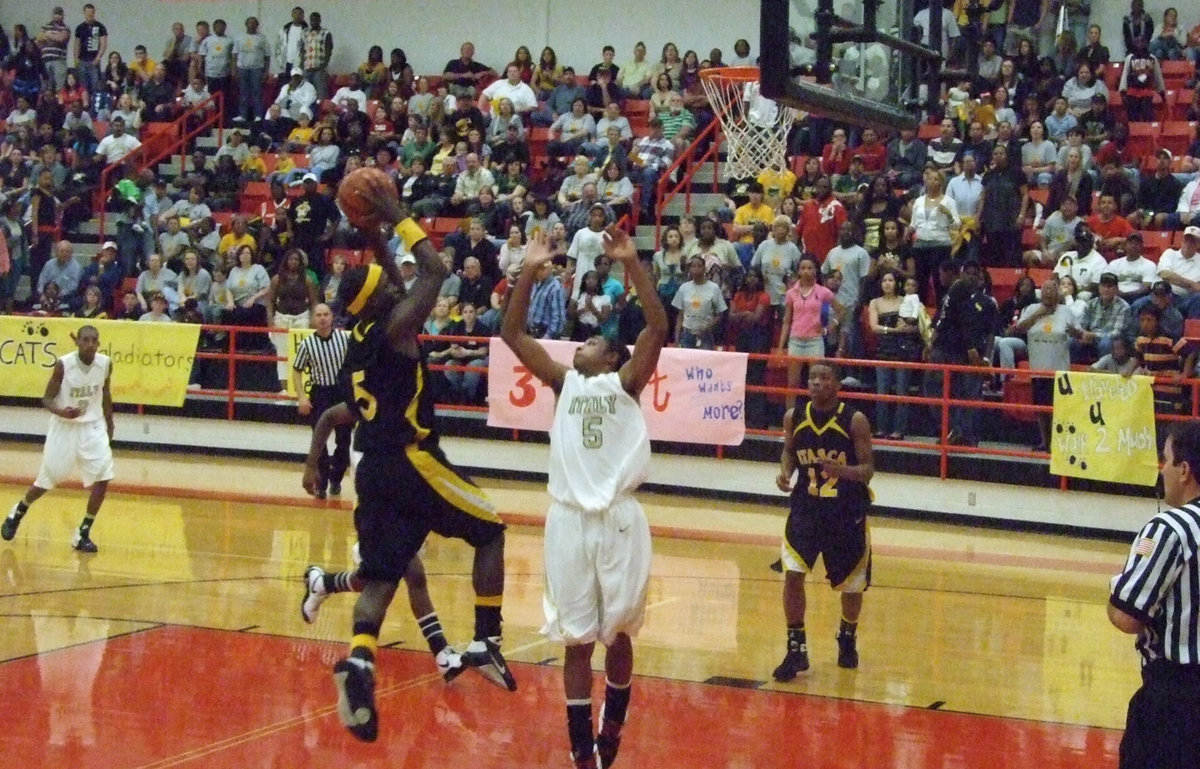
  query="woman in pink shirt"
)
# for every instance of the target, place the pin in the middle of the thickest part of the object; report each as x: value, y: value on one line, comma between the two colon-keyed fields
x: 810, y: 311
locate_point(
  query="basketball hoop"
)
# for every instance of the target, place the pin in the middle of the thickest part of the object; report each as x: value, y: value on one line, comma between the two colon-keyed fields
x: 755, y: 127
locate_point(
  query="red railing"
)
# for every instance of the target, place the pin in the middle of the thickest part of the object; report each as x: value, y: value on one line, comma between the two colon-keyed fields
x: 943, y: 402
x: 691, y: 159
x: 161, y: 141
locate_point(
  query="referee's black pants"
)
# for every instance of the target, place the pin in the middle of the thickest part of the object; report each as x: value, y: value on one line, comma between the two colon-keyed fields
x: 333, y: 466
x: 1162, y: 729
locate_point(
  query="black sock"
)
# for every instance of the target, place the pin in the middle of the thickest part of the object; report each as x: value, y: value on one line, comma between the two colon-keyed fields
x: 847, y: 627
x: 431, y: 628
x: 85, y: 528
x: 616, y: 703
x: 487, y: 620
x: 796, y: 637
x: 22, y: 508
x: 579, y: 728
x: 338, y: 583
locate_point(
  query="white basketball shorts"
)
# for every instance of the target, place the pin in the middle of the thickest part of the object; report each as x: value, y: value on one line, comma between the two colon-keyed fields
x: 70, y: 445
x: 597, y: 572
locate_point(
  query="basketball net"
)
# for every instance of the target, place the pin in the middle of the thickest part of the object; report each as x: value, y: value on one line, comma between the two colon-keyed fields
x: 755, y: 127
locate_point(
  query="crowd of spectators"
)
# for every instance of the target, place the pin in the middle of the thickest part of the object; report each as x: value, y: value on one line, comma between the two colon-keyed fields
x: 866, y: 244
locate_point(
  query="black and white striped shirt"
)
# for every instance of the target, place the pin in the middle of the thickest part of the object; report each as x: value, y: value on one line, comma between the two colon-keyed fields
x: 322, y: 358
x: 1160, y: 586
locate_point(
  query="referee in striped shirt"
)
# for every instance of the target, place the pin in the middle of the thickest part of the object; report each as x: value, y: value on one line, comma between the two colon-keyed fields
x: 322, y: 354
x: 1157, y: 598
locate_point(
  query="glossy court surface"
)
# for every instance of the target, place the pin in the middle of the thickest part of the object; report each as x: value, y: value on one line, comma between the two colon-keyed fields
x: 181, y: 642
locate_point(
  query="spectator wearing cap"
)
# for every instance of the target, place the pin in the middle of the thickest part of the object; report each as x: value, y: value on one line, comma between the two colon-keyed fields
x: 315, y: 219
x: 1158, y: 195
x: 1085, y: 264
x: 1135, y: 273
x: 297, y: 95
x: 407, y: 264
x: 158, y: 310
x: 1170, y: 319
x: 745, y: 217
x: 1097, y: 123
x: 850, y: 186
x: 1181, y: 268
x: 650, y: 157
x: 104, y: 272
x: 1105, y: 318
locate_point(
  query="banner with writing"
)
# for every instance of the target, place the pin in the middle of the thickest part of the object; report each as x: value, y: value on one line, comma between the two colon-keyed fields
x: 695, y: 396
x: 151, y: 361
x: 295, y: 337
x: 1103, y: 428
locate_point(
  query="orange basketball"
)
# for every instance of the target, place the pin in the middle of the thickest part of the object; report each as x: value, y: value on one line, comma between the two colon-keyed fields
x: 360, y: 192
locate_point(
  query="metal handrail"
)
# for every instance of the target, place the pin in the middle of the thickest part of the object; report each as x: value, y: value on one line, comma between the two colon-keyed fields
x: 141, y: 156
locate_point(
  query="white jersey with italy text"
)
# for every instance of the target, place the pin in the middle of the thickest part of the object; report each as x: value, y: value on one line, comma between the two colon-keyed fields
x: 83, y: 386
x: 599, y: 447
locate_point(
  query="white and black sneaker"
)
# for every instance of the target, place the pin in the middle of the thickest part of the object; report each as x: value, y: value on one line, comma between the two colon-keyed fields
x: 355, y: 682
x: 83, y: 544
x: 485, y: 657
x: 8, y: 529
x: 314, y: 593
x: 449, y: 664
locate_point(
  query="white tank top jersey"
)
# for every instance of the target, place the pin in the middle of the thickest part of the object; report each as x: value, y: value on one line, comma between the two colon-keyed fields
x: 599, y: 448
x: 83, y: 387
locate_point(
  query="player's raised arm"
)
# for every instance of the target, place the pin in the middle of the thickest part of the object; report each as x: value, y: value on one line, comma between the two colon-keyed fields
x: 513, y: 329
x: 418, y: 301
x: 637, y: 371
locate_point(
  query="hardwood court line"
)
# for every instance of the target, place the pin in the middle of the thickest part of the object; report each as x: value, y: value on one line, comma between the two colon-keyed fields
x: 279, y: 726
x: 669, y: 532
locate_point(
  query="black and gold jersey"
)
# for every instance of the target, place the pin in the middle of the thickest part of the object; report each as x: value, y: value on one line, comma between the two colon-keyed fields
x: 388, y: 392
x: 825, y: 437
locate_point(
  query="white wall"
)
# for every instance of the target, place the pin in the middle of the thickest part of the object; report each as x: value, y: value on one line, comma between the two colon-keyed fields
x: 576, y: 29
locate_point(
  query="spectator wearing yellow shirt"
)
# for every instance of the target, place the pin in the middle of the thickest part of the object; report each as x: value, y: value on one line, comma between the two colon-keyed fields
x: 238, y: 236
x: 302, y: 135
x: 744, y: 219
x: 254, y: 168
x: 777, y: 184
x: 142, y: 65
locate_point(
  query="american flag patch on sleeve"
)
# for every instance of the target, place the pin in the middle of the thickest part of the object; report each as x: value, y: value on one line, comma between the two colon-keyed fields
x: 1144, y: 546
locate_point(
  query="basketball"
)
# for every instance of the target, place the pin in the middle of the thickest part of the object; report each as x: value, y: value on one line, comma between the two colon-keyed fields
x: 359, y: 192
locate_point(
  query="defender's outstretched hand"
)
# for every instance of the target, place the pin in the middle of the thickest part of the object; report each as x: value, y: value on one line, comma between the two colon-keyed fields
x: 618, y: 246
x: 537, y: 252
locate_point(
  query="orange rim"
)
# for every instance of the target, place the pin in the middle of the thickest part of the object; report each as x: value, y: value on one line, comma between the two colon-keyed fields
x: 731, y: 74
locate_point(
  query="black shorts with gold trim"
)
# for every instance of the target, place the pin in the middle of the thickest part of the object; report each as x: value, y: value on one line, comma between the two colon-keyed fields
x: 840, y: 536
x: 402, y: 497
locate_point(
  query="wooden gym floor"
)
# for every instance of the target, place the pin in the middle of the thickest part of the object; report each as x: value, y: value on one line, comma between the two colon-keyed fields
x: 181, y: 642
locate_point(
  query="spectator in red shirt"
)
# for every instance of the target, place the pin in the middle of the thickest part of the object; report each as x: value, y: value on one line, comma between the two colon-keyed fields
x: 1109, y: 227
x: 873, y: 151
x: 835, y: 158
x: 820, y: 219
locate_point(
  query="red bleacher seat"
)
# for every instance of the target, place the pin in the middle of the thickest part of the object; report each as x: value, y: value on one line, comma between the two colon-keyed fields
x: 1039, y: 195
x: 1004, y: 281
x: 354, y: 256
x: 223, y: 220
x: 1143, y: 138
x: 1154, y: 243
x: 1112, y: 76
x: 1177, y: 73
x: 637, y: 107
x: 1018, y: 390
x: 1179, y: 109
x: 1177, y: 136
x: 1191, y: 328
x: 928, y: 131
